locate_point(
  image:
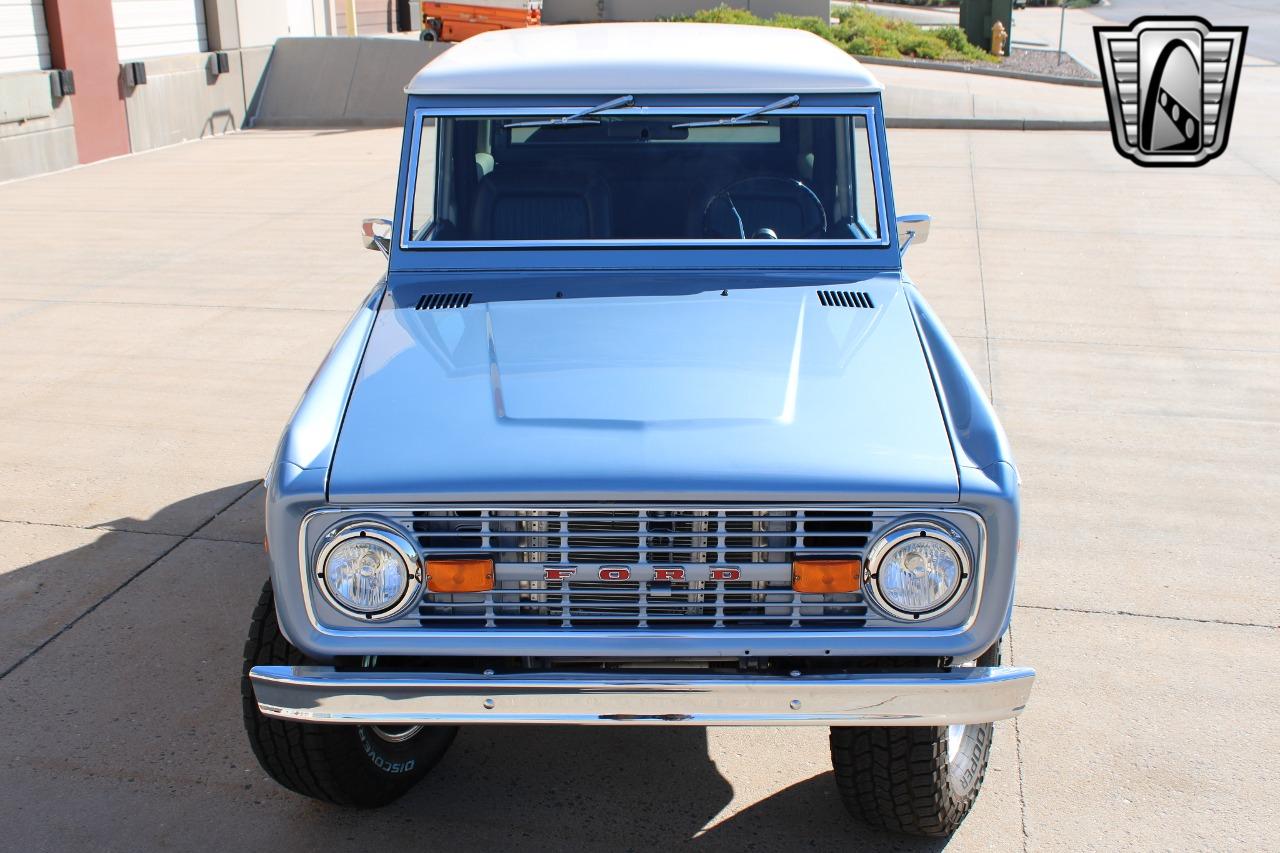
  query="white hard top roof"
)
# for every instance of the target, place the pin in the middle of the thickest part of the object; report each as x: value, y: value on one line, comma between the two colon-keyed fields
x: 645, y: 58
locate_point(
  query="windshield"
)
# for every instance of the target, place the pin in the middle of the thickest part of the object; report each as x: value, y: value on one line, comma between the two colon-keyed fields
x: 776, y: 176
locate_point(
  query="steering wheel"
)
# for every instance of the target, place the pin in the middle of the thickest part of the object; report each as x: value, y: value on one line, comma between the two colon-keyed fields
x: 729, y: 209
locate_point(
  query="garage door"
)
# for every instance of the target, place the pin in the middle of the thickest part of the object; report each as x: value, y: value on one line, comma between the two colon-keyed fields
x: 24, y: 41
x: 147, y: 28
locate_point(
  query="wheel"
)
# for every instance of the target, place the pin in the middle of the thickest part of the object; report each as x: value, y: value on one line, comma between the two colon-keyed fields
x: 921, y: 780
x: 363, y: 766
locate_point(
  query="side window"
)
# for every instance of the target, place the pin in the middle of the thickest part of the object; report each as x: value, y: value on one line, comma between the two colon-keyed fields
x: 864, y: 183
x: 424, y: 182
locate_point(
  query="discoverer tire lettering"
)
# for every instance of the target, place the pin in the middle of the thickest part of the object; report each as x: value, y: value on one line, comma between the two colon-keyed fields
x: 344, y: 765
x: 905, y: 779
x: 386, y: 765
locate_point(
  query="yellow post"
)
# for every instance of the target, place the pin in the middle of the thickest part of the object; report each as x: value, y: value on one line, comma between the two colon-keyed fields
x: 351, y: 17
x: 998, y: 36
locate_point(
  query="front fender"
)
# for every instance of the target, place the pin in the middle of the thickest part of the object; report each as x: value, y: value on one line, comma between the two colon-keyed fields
x: 976, y: 434
x: 989, y: 481
x: 312, y: 433
x: 298, y: 478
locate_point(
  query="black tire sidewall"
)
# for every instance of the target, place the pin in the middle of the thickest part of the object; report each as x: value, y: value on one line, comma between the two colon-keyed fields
x: 342, y: 764
x: 903, y: 779
x: 406, y: 759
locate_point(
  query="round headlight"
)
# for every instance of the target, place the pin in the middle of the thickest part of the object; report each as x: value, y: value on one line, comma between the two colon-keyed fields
x: 366, y: 571
x: 918, y: 569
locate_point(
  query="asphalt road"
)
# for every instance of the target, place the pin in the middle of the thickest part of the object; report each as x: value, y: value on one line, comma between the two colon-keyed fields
x: 160, y: 314
x: 1261, y: 16
x: 914, y: 14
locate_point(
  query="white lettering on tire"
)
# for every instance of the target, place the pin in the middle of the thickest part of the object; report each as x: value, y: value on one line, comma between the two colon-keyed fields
x: 382, y: 763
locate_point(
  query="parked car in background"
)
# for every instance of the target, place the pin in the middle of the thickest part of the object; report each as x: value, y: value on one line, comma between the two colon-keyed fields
x: 644, y: 425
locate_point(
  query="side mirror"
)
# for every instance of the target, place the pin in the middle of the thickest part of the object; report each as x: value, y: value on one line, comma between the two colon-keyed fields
x: 912, y: 228
x: 376, y: 234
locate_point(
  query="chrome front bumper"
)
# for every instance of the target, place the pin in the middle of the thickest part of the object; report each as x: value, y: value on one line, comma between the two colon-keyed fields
x: 324, y: 695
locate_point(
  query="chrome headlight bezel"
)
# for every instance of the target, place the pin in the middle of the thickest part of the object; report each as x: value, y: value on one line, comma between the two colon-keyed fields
x: 895, y: 535
x: 388, y: 535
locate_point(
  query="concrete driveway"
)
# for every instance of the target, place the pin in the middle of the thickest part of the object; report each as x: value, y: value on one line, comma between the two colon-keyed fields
x: 160, y: 314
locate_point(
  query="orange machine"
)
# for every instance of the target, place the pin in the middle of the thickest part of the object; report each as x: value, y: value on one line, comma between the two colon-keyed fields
x: 458, y: 21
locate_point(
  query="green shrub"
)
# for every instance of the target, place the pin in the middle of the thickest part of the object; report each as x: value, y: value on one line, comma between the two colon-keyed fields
x: 861, y: 32
x: 925, y: 48
x: 954, y: 38
x: 722, y: 14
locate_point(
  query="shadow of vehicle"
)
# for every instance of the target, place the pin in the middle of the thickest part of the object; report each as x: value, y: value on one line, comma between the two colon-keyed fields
x: 141, y: 682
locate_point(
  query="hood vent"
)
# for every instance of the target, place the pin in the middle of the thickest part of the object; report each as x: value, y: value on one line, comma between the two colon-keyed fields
x: 434, y: 301
x: 845, y: 299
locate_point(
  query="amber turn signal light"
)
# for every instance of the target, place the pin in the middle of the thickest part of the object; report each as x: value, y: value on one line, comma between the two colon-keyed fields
x: 826, y: 575
x: 459, y: 575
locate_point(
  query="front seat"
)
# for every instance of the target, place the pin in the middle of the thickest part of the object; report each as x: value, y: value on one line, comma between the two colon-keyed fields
x: 549, y: 206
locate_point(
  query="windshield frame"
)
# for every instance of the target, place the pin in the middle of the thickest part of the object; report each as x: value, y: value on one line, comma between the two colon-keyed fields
x: 725, y: 106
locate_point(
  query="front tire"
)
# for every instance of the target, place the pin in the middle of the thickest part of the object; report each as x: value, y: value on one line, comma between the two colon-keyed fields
x: 919, y: 780
x: 362, y: 766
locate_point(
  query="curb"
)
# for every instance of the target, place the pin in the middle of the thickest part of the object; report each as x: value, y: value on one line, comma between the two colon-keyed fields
x: 927, y: 123
x: 930, y: 65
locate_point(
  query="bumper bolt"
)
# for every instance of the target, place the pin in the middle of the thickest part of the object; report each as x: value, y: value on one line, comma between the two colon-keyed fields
x: 488, y: 704
x: 795, y: 704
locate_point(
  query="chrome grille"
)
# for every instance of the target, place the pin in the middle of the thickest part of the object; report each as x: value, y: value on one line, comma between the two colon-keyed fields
x: 641, y: 604
x: 640, y: 537
x: 760, y: 544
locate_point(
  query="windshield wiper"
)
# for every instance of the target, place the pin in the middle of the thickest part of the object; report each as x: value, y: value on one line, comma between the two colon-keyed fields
x: 578, y: 118
x: 747, y: 118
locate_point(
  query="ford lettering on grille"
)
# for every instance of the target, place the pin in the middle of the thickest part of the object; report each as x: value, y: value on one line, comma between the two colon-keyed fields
x: 642, y: 567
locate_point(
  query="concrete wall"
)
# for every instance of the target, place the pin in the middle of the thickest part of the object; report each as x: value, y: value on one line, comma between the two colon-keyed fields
x: 261, y: 23
x: 37, y: 132
x: 339, y: 82
x: 222, y: 24
x: 182, y: 99
x: 253, y: 66
x: 570, y: 11
x: 264, y: 21
x: 258, y: 23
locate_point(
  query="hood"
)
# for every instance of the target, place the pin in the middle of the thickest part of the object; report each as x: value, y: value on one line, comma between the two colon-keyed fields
x: 756, y: 394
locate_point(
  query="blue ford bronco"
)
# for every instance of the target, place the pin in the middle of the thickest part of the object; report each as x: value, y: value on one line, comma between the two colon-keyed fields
x: 644, y: 425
